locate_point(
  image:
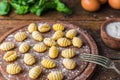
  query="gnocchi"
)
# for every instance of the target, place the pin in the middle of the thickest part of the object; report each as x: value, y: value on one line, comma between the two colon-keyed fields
x: 43, y: 27
x: 47, y: 63
x: 58, y: 34
x: 53, y: 52
x: 37, y: 36
x: 24, y: 47
x: 77, y: 42
x: 35, y: 72
x: 29, y: 59
x: 71, y: 33
x: 55, y: 75
x: 64, y: 42
x: 13, y: 68
x: 6, y: 46
x: 69, y: 63
x: 40, y: 47
x: 20, y: 36
x: 49, y: 42
x: 58, y: 26
x: 68, y: 53
x: 10, y: 56
x: 32, y: 27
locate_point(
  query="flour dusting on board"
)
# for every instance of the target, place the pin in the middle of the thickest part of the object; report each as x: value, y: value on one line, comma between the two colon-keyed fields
x: 113, y: 29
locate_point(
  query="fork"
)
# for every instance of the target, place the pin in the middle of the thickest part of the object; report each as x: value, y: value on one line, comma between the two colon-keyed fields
x: 103, y: 61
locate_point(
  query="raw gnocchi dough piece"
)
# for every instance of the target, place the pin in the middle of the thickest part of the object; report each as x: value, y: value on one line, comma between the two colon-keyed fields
x: 24, y: 47
x: 64, y: 42
x: 6, y: 46
x: 32, y: 27
x: 20, y: 36
x: 55, y: 75
x: 69, y: 63
x: 40, y: 47
x: 68, y: 53
x: 35, y: 72
x: 47, y: 63
x: 37, y: 36
x: 13, y: 68
x: 71, y: 33
x: 58, y: 34
x: 43, y: 27
x: 10, y: 56
x: 77, y: 42
x: 49, y: 42
x: 29, y: 59
x: 53, y: 52
x: 58, y: 26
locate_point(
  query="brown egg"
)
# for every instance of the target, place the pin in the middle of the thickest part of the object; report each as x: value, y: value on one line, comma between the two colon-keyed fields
x: 114, y: 4
x: 103, y: 1
x: 90, y: 5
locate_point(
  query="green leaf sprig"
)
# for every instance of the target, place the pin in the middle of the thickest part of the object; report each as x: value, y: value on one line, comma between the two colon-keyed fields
x: 34, y: 6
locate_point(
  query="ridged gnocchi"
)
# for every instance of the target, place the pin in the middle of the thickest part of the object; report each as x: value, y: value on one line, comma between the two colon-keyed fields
x: 13, y: 68
x: 55, y: 75
x: 44, y: 27
x: 47, y: 63
x: 49, y: 42
x: 58, y: 26
x: 32, y: 27
x: 58, y: 34
x: 24, y: 47
x: 64, y: 42
x: 53, y: 52
x: 68, y: 53
x: 20, y: 36
x: 5, y: 46
x: 71, y: 33
x: 37, y: 36
x: 29, y: 59
x: 77, y: 42
x: 69, y: 63
x: 10, y: 56
x: 35, y: 72
x: 40, y: 47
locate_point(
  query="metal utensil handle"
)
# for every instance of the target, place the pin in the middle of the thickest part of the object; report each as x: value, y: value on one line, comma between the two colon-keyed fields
x: 118, y: 71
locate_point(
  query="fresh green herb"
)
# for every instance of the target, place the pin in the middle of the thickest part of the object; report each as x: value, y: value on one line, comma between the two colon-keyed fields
x: 34, y: 6
x: 42, y: 6
x: 4, y: 7
x: 62, y: 8
x: 20, y: 9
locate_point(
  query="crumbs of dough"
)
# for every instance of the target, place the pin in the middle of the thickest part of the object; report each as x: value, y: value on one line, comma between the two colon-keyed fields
x: 0, y: 63
x: 6, y: 77
x: 10, y: 36
x: 27, y: 67
x: 64, y: 70
x: 25, y: 75
x: 20, y: 30
x: 10, y: 76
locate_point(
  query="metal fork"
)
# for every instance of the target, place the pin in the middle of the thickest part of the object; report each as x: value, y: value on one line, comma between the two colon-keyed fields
x: 103, y: 61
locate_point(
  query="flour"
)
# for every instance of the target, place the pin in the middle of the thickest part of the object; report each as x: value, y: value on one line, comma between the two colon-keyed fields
x: 113, y: 29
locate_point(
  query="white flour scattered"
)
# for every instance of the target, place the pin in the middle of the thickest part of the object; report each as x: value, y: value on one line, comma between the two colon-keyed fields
x: 113, y: 29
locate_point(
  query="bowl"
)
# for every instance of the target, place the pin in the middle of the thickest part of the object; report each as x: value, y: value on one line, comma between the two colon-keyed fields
x: 110, y: 41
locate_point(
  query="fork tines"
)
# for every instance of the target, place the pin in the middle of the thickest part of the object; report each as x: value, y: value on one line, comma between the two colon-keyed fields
x: 96, y: 59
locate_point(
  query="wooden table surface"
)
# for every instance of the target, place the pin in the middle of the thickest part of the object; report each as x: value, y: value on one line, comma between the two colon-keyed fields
x: 89, y: 21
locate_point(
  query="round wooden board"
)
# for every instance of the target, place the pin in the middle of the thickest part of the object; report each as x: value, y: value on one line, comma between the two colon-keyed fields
x: 86, y: 74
